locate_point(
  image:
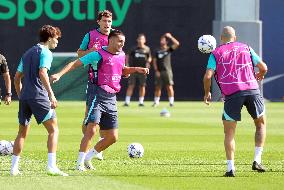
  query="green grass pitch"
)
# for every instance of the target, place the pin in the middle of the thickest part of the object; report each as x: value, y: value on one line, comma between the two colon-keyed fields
x: 184, y: 151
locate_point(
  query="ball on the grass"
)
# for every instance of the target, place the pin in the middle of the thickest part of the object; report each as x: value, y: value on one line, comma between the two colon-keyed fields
x: 165, y: 113
x: 6, y: 147
x: 9, y: 148
x: 135, y: 150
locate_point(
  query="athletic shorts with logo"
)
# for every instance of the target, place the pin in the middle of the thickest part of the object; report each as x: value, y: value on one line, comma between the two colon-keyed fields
x: 102, y: 109
x: 40, y: 108
x: 251, y: 99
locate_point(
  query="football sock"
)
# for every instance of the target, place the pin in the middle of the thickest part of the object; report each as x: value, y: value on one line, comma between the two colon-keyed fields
x: 230, y: 165
x: 156, y: 100
x: 15, y: 162
x: 81, y: 158
x: 171, y: 100
x: 141, y: 100
x: 51, y: 160
x: 127, y: 99
x: 92, y: 152
x: 257, y: 154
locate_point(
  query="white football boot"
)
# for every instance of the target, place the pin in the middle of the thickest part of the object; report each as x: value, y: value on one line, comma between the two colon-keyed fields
x: 88, y: 165
x: 81, y: 168
x: 15, y: 172
x: 99, y: 156
x: 55, y: 172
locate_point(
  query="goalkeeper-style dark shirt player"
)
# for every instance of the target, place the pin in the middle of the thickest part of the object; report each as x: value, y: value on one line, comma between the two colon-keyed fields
x: 4, y: 71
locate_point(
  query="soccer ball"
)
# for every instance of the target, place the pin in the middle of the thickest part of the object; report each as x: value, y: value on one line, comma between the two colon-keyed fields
x: 165, y: 113
x: 206, y: 43
x: 135, y: 150
x: 9, y: 148
x: 6, y: 147
x: 3, y: 147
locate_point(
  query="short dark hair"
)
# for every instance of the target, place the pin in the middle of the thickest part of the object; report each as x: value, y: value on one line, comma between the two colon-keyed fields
x: 105, y: 13
x: 141, y: 34
x: 114, y: 33
x: 48, y: 31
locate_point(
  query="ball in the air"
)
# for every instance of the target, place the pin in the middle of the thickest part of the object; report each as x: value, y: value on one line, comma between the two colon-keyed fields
x: 206, y: 43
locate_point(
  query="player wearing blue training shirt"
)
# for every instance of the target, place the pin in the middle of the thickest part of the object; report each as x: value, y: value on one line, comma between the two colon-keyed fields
x: 37, y: 98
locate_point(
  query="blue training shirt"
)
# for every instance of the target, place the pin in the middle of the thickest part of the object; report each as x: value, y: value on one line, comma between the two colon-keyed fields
x: 35, y: 58
x: 212, y: 62
x: 85, y: 42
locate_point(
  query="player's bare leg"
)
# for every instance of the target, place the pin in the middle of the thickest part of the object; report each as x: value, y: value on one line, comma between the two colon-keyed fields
x: 17, y: 149
x: 260, y: 136
x: 142, y: 91
x: 129, y: 93
x: 88, y: 135
x: 53, y: 132
x: 52, y: 141
x: 111, y: 136
x: 170, y: 91
x: 100, y: 155
x: 20, y: 139
x: 229, y: 143
x: 83, y: 123
x: 85, y: 142
x: 157, y: 96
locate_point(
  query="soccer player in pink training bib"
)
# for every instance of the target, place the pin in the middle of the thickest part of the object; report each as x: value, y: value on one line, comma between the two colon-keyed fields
x: 94, y: 41
x: 110, y: 63
x: 232, y: 64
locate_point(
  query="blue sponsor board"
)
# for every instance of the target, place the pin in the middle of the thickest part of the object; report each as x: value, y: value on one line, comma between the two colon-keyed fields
x: 271, y: 13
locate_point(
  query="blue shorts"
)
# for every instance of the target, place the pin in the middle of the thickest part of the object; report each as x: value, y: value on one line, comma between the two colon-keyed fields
x: 252, y: 100
x: 102, y: 109
x: 89, y: 91
x: 39, y: 108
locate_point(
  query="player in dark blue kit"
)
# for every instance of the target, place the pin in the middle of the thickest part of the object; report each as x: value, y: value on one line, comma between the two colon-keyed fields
x: 37, y: 98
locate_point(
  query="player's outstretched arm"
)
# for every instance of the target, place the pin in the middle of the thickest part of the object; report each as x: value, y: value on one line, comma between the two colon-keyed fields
x: 82, y: 53
x: 69, y: 67
x: 262, y: 70
x: 207, y: 85
x: 129, y: 70
x: 17, y: 82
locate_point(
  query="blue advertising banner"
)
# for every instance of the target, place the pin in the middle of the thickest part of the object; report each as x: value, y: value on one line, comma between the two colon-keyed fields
x: 273, y: 42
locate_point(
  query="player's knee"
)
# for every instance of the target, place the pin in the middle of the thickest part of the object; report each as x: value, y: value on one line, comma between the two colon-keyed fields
x: 113, y: 138
x: 90, y: 131
x: 259, y: 121
x: 53, y: 131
